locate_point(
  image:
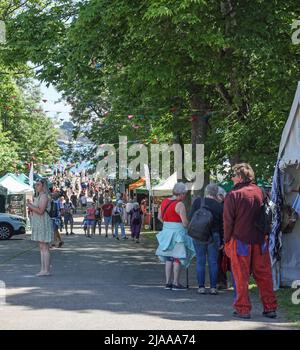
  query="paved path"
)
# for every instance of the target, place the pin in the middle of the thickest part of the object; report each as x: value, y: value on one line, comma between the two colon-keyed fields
x: 101, y: 283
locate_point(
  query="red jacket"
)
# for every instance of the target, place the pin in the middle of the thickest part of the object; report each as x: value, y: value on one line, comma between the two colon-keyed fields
x: 241, y: 213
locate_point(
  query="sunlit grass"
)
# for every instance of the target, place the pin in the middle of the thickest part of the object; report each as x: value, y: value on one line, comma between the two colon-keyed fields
x: 150, y: 235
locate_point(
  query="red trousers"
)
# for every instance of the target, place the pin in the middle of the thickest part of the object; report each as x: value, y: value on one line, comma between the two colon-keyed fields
x: 247, y: 259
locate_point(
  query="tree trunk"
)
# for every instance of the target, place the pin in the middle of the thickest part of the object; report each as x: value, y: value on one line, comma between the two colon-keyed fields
x: 199, y: 131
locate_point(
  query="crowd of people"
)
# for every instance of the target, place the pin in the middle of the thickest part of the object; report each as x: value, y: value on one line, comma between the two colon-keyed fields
x: 101, y: 208
x: 229, y: 238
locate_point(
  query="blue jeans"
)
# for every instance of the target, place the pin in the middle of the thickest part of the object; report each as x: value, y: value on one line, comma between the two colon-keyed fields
x: 121, y: 224
x: 211, y: 250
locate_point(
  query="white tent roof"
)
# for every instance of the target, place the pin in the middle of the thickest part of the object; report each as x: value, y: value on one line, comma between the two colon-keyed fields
x: 13, y: 186
x: 165, y: 188
x: 289, y: 149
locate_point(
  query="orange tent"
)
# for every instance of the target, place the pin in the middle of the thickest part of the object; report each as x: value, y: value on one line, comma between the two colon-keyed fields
x: 137, y: 184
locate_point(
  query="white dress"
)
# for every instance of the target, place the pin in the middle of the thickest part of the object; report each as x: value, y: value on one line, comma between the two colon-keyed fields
x: 42, y: 227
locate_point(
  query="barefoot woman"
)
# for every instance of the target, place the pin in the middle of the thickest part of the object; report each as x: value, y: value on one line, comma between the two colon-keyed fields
x: 41, y: 223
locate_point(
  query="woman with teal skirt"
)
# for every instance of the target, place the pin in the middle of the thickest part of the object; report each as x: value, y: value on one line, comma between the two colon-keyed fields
x: 175, y: 248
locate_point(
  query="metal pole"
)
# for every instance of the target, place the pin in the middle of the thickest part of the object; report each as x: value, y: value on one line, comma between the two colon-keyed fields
x: 153, y: 213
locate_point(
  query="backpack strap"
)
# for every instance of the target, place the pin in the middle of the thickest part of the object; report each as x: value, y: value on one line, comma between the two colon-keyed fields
x: 167, y: 206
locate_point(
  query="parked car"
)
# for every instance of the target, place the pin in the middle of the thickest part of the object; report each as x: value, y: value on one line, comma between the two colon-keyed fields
x: 11, y: 225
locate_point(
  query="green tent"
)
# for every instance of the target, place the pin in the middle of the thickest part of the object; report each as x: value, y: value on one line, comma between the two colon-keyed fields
x: 23, y: 178
x: 228, y: 185
x: 141, y: 190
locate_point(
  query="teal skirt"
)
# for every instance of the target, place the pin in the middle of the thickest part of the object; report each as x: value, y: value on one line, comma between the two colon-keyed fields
x: 174, y: 242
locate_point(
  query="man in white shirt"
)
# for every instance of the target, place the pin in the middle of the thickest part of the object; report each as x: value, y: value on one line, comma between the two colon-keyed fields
x: 128, y: 208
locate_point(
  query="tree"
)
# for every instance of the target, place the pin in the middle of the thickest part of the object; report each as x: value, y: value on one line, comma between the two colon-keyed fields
x: 9, y: 159
x: 211, y: 72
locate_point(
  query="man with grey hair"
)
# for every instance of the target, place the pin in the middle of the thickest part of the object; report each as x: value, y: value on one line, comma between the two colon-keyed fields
x: 211, y: 249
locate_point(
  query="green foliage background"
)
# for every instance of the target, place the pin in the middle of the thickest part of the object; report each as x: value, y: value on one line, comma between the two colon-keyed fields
x: 225, y: 71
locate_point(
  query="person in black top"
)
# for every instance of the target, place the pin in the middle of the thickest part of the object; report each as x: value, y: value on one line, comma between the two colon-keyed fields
x: 210, y: 250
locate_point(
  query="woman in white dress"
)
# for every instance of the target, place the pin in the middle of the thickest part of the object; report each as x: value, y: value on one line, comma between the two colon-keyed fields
x: 42, y: 228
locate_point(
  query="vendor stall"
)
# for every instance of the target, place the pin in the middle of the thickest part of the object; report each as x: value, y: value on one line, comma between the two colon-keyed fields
x: 17, y: 194
x: 285, y: 236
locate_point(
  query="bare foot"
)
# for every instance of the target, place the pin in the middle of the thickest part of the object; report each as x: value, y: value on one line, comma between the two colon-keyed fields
x: 42, y: 274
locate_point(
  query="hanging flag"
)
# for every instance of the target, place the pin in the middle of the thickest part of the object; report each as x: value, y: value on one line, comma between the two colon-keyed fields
x: 31, y: 175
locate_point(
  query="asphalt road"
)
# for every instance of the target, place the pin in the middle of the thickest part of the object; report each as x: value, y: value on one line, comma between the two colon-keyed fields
x: 101, y: 283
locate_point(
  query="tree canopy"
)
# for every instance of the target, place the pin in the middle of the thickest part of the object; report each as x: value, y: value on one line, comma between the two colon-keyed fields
x: 222, y: 73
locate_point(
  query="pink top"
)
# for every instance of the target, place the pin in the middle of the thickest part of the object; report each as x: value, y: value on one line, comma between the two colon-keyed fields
x: 91, y: 214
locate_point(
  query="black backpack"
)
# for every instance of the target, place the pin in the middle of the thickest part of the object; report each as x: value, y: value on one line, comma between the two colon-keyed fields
x: 53, y: 213
x: 264, y: 222
x: 136, y: 217
x: 200, y: 225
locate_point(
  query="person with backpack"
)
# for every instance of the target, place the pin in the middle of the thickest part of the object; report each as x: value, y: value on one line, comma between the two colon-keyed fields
x: 246, y: 243
x: 206, y: 229
x: 74, y: 200
x: 118, y: 220
x: 135, y: 222
x: 68, y: 215
x: 175, y: 246
x: 55, y: 215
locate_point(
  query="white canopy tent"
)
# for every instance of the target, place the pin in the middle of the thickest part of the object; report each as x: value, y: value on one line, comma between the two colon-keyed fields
x: 165, y: 188
x: 289, y: 164
x: 14, y: 186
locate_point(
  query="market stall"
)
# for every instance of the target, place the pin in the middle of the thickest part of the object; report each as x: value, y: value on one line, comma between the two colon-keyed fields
x: 285, y: 240
x: 17, y: 194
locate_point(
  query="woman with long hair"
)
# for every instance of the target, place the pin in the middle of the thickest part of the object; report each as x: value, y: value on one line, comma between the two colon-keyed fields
x: 42, y: 230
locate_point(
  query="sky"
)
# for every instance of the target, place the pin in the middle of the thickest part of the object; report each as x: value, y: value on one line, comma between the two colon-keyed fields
x: 52, y: 109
